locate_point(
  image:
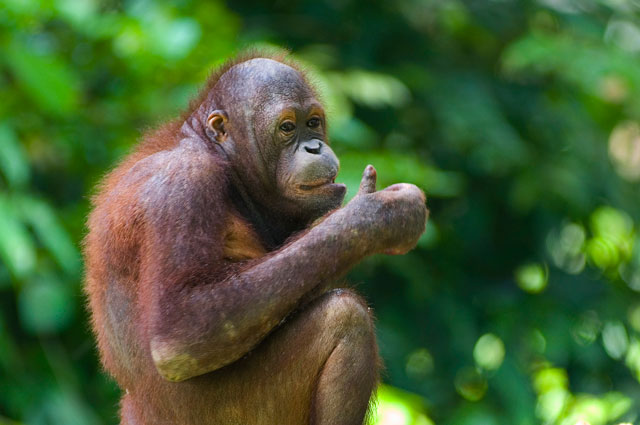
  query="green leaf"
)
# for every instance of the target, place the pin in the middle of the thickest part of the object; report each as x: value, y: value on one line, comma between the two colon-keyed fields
x: 13, y: 160
x: 371, y: 89
x: 17, y: 249
x: 46, y: 78
x: 51, y: 232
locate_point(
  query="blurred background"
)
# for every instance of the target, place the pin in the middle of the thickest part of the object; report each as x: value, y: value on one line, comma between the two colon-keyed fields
x: 520, y: 120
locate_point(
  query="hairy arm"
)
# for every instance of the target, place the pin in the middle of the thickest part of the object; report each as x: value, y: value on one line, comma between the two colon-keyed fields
x: 201, y: 319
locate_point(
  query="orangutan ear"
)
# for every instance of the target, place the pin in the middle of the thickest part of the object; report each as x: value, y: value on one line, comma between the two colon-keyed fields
x: 216, y: 124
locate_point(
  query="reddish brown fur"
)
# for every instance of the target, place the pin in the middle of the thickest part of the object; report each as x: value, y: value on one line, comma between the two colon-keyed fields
x: 124, y: 233
x: 179, y: 282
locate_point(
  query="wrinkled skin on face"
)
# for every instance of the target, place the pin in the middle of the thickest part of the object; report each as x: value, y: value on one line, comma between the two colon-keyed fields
x: 287, y: 165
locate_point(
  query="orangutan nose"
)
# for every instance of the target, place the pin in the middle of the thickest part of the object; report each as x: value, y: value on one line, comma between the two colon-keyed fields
x: 313, y: 146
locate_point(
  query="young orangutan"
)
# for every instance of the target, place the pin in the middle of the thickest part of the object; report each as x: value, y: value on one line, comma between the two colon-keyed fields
x: 212, y: 295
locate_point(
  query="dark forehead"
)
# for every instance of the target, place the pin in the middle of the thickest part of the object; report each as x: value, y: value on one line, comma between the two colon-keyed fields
x: 264, y: 80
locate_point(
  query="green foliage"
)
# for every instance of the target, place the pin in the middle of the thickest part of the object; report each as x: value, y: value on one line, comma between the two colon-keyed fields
x: 520, y: 120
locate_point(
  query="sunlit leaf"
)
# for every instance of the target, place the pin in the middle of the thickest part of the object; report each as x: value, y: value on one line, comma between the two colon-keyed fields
x: 548, y: 379
x: 371, y: 89
x: 551, y: 404
x: 78, y: 12
x: 611, y: 223
x: 632, y: 359
x: 23, y: 6
x: 634, y: 317
x: 615, y: 339
x: 17, y: 249
x: 397, y: 407
x: 13, y: 160
x: 617, y: 404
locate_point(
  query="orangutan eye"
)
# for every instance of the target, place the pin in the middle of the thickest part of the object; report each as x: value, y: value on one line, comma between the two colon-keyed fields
x: 287, y: 126
x: 313, y: 122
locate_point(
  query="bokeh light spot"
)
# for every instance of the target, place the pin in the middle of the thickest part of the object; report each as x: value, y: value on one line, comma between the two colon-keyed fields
x: 634, y: 317
x: 550, y: 378
x: 532, y: 278
x: 614, y: 339
x: 489, y: 352
x: 566, y: 247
